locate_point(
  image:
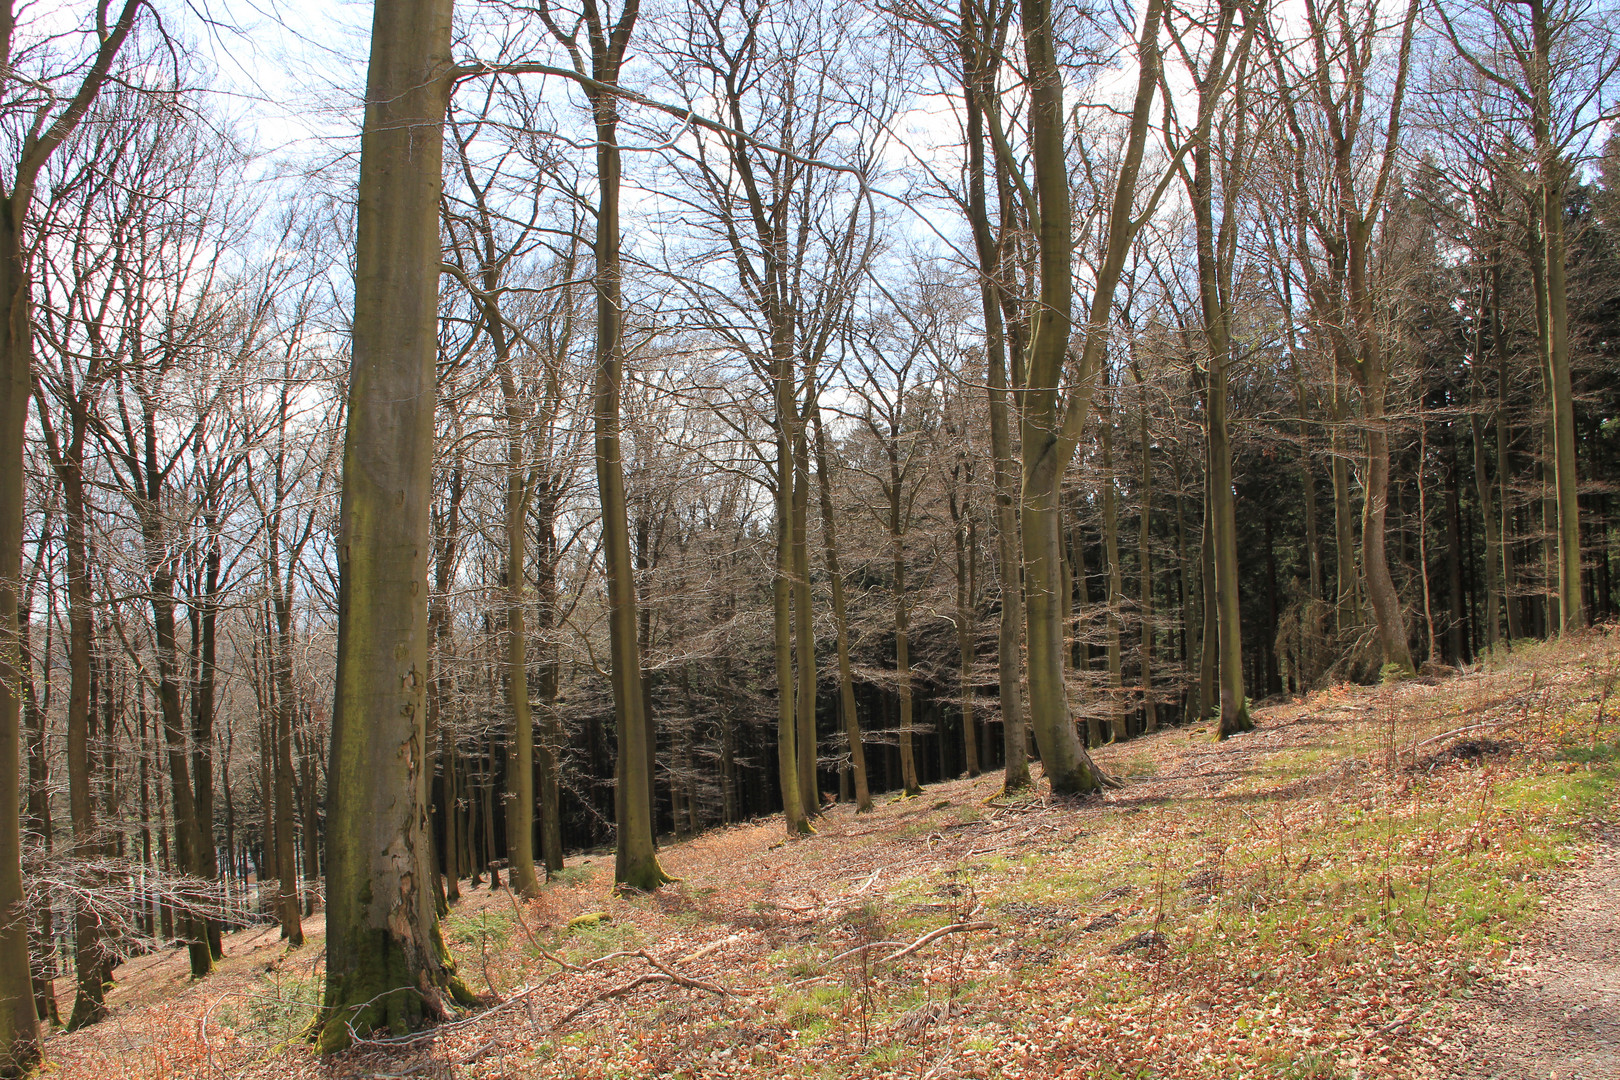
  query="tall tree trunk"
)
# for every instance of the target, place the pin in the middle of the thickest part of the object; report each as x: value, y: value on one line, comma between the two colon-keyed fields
x: 846, y: 678
x: 1116, y: 579
x: 1504, y: 470
x: 19, y: 1022
x: 454, y: 856
x: 1554, y: 169
x: 964, y: 645
x: 1144, y: 558
x: 1423, y: 530
x: 1209, y: 658
x: 188, y: 841
x: 1348, y: 607
x: 520, y: 763
x: 902, y: 632
x: 292, y: 927
x: 981, y: 59
x: 386, y: 964
x: 549, y: 749
x: 42, y: 947
x: 88, y: 1004
x: 804, y: 634
x: 309, y: 809
x: 204, y: 680
x: 787, y: 735
x: 1456, y: 556
x: 636, y: 855
x: 1050, y: 435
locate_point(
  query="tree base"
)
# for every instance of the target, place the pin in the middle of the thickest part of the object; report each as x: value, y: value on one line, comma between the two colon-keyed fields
x: 86, y: 1011
x: 382, y: 994
x: 642, y: 875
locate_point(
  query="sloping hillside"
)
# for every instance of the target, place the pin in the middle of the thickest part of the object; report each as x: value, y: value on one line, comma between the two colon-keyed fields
x: 1342, y: 893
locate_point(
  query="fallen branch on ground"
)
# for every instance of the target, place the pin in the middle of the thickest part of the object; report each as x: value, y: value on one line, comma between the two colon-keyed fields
x: 902, y: 950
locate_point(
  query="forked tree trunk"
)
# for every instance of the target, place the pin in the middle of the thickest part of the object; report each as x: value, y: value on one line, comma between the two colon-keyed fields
x: 1050, y: 432
x: 386, y: 965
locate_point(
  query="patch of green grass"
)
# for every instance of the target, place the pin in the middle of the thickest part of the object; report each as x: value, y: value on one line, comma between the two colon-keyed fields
x: 280, y: 1008
x: 571, y: 875
x: 1137, y: 767
x: 476, y: 931
x: 1591, y: 754
x: 586, y: 943
x: 883, y: 1056
x: 812, y: 1009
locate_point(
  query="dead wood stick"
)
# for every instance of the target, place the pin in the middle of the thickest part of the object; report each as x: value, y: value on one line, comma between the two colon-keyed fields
x: 932, y: 935
x: 903, y: 949
x: 684, y: 980
x: 705, y: 950
x: 606, y: 995
x: 1461, y: 731
x: 663, y: 975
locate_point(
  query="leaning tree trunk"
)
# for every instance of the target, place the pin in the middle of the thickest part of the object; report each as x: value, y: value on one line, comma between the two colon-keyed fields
x: 386, y: 965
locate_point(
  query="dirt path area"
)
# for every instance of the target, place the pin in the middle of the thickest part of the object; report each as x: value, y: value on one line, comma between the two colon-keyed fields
x: 1554, y: 1013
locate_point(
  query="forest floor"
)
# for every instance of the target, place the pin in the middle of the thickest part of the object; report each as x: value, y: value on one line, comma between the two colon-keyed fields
x: 1415, y: 880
